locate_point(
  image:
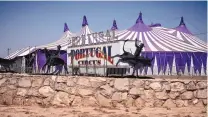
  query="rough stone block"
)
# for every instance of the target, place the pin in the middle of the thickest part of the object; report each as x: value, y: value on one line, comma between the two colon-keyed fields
x: 85, y: 92
x: 169, y: 104
x: 161, y: 95
x: 202, y: 94
x: 21, y: 92
x: 103, y: 101
x: 61, y: 99
x: 46, y: 91
x: 201, y: 85
x: 187, y: 95
x: 122, y: 84
x: 177, y: 86
x: 191, y: 86
x: 2, y: 81
x: 156, y: 86
x: 136, y: 91
x: 37, y: 82
x: 139, y: 103
x: 24, y: 82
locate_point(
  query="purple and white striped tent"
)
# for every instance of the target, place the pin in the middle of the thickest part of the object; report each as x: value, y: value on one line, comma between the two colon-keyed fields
x: 82, y: 36
x: 63, y: 41
x: 40, y: 57
x: 174, y: 50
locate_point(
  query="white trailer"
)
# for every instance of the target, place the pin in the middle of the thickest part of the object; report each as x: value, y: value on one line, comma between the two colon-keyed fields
x: 96, y: 58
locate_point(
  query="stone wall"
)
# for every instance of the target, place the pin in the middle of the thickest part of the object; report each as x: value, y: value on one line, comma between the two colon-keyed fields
x: 17, y: 89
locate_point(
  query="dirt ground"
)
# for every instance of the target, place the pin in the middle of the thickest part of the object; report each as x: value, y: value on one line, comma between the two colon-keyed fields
x: 36, y: 111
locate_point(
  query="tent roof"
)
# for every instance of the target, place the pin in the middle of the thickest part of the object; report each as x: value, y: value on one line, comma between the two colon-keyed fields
x: 85, y: 31
x: 182, y: 27
x: 140, y: 26
x: 158, y: 38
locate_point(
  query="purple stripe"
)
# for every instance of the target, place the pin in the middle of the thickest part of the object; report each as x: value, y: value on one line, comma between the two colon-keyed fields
x: 204, y: 61
x: 197, y: 61
x: 153, y: 35
x: 127, y: 34
x: 153, y: 43
x: 41, y: 59
x: 140, y: 27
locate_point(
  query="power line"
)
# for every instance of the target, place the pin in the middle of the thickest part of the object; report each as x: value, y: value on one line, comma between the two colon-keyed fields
x: 200, y: 33
x: 193, y: 26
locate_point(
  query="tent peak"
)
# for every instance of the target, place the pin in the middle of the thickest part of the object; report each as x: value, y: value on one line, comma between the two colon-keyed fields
x: 114, y: 27
x: 182, y: 27
x: 182, y: 21
x: 84, y: 23
x: 66, y: 27
x: 139, y: 19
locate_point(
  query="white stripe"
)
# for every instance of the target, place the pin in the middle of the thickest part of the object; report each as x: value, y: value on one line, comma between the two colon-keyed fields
x: 156, y: 42
x: 171, y: 31
x: 122, y: 36
x: 179, y: 36
x: 149, y: 43
x: 183, y: 46
x: 131, y: 34
x: 121, y: 32
x: 126, y: 31
x: 195, y: 39
x: 140, y: 37
x: 135, y: 36
x: 176, y: 40
x: 169, y: 41
x: 191, y: 41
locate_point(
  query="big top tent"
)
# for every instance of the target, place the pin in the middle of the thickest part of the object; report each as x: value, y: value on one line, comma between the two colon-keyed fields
x: 86, y: 35
x: 175, y: 50
x: 173, y: 54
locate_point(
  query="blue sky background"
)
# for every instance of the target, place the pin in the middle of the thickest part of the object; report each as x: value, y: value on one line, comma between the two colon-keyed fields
x: 25, y: 24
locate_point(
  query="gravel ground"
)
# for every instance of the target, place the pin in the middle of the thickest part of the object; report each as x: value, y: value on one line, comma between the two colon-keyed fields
x: 36, y: 111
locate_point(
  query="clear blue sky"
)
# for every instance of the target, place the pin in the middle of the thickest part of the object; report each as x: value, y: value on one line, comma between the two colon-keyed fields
x: 25, y: 24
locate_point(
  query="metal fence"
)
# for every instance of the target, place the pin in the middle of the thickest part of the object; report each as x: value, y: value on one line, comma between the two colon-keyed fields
x: 105, y: 70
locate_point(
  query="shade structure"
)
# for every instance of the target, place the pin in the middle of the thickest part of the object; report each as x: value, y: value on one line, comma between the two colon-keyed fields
x: 172, y: 48
x: 40, y: 57
x: 86, y: 35
x: 21, y: 52
x: 63, y: 41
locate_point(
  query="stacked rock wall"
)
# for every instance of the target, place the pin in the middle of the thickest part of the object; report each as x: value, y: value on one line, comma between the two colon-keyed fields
x: 45, y: 90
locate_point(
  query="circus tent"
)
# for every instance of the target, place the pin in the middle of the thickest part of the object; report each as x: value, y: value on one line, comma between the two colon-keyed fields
x: 86, y: 35
x: 173, y: 49
x: 63, y: 41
